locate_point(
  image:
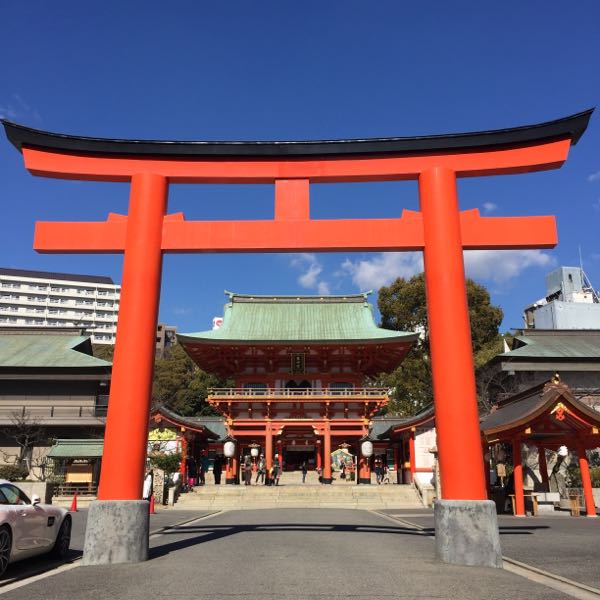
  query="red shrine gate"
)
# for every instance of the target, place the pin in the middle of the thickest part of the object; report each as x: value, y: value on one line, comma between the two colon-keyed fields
x: 440, y: 230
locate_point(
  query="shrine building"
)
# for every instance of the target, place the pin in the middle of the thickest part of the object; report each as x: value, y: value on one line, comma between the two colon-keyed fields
x: 300, y: 368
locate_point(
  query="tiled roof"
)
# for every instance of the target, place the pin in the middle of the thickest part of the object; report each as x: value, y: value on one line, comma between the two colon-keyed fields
x: 544, y: 344
x: 47, y: 351
x: 298, y: 319
x: 77, y: 449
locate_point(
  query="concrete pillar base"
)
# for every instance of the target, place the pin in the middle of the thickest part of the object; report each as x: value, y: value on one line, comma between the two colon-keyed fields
x: 230, y: 481
x: 326, y: 479
x: 466, y: 533
x: 117, y: 532
x: 364, y: 481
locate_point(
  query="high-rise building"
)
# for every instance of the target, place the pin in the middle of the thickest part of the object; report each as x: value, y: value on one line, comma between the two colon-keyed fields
x: 42, y: 299
x: 570, y: 303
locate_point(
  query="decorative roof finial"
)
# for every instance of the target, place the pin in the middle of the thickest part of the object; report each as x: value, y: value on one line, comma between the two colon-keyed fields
x: 556, y: 379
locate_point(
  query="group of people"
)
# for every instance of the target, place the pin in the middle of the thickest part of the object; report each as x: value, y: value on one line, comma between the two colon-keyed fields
x: 263, y: 475
x: 381, y: 471
x: 196, y: 470
x: 346, y: 469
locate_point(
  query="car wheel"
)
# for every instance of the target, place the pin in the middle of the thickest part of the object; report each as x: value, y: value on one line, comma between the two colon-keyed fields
x: 63, y: 539
x: 5, y: 548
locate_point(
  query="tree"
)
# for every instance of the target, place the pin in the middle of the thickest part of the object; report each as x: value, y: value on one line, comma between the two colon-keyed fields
x: 180, y: 385
x: 403, y: 307
x: 27, y: 433
x: 103, y: 351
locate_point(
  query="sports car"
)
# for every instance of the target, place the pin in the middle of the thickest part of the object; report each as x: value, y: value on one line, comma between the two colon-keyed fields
x: 29, y: 528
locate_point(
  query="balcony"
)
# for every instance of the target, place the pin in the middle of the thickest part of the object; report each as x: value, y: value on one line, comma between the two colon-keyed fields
x: 295, y: 395
x: 33, y: 415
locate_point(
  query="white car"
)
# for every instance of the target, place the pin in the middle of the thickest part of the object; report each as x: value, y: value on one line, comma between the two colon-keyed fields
x: 28, y: 528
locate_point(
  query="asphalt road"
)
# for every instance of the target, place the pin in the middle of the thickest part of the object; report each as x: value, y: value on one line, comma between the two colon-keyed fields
x: 288, y: 554
x: 44, y: 564
x: 560, y: 544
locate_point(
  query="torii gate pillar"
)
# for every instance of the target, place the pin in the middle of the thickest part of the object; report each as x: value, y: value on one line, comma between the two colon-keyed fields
x: 466, y: 526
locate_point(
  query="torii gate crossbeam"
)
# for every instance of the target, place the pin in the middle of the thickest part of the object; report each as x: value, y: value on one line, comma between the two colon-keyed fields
x: 440, y: 230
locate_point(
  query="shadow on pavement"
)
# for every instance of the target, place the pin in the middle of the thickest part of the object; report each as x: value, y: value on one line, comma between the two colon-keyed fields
x: 36, y: 566
x: 209, y: 534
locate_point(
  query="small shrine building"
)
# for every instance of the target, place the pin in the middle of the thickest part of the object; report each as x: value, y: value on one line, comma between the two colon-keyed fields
x: 300, y: 368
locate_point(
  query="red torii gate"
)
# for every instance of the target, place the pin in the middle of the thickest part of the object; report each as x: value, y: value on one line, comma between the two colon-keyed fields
x: 440, y: 230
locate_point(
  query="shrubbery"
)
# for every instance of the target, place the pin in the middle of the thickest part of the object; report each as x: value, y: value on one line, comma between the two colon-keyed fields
x: 574, y: 477
x: 13, y: 472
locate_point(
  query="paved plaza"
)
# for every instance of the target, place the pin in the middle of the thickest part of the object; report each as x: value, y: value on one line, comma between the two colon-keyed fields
x: 315, y: 553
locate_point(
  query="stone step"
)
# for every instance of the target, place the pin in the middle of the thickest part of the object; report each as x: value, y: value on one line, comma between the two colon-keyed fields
x: 300, y: 496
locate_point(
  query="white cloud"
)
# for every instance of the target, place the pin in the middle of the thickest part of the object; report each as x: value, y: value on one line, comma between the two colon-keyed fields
x: 383, y: 269
x: 323, y: 288
x: 7, y: 112
x: 498, y: 266
x: 182, y: 311
x: 489, y: 207
x: 18, y: 109
x: 594, y: 176
x: 312, y: 269
x: 596, y: 205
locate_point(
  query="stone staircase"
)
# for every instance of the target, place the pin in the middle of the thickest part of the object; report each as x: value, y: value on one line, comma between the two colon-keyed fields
x: 296, y: 495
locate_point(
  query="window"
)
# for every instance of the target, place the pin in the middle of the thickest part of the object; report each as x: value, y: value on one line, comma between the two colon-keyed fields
x: 258, y: 388
x: 13, y: 494
x: 340, y: 387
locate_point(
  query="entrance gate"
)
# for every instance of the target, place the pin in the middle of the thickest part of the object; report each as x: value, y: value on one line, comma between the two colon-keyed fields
x: 439, y: 229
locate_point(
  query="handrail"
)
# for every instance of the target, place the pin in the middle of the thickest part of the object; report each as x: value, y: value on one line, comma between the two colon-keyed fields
x: 51, y: 411
x: 236, y: 393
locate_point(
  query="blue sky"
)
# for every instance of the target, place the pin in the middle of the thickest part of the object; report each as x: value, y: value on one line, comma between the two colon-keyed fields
x: 302, y: 70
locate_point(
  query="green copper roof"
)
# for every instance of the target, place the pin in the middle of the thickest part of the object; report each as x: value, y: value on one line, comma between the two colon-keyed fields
x: 77, y: 449
x: 47, y: 351
x: 576, y: 344
x: 298, y: 319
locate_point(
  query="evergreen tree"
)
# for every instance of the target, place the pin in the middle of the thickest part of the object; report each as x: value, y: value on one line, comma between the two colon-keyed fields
x: 403, y: 307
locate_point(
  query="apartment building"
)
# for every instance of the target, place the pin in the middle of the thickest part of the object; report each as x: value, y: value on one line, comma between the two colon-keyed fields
x: 42, y: 299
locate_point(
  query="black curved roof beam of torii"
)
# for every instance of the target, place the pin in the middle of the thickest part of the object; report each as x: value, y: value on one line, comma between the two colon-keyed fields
x: 571, y: 127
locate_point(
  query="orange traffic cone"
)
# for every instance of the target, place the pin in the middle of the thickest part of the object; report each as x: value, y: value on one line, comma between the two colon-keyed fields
x: 74, y: 504
x: 151, y: 509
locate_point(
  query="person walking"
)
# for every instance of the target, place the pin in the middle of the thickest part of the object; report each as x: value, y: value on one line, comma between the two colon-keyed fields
x: 247, y: 467
x: 304, y: 468
x: 217, y: 469
x: 204, y: 469
x: 275, y: 471
x: 378, y: 470
x: 261, y: 469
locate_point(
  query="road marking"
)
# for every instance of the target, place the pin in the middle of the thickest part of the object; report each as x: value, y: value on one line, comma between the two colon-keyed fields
x: 556, y: 582
x: 13, y: 584
x: 396, y: 519
x: 9, y: 587
x: 163, y: 530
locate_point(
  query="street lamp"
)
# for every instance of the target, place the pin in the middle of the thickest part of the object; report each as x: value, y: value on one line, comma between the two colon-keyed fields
x: 254, y: 449
x: 229, y: 452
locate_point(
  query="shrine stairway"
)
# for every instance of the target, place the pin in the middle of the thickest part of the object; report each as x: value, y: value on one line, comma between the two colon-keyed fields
x: 337, y: 495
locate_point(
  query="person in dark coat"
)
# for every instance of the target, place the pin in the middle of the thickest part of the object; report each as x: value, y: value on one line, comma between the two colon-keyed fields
x: 218, y: 469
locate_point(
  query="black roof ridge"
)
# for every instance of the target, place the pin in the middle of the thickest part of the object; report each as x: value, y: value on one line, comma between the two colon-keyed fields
x: 58, y: 276
x: 570, y: 127
x: 359, y: 297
